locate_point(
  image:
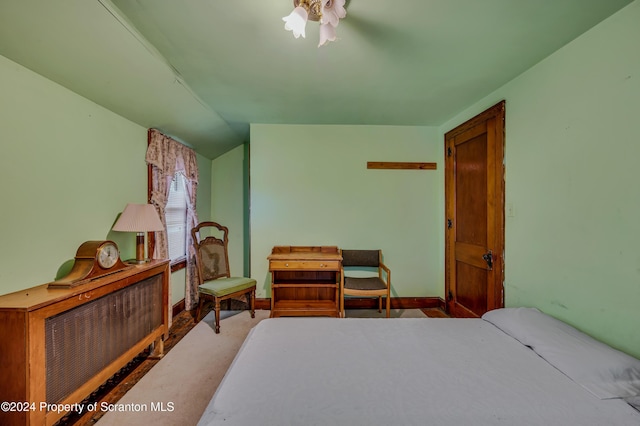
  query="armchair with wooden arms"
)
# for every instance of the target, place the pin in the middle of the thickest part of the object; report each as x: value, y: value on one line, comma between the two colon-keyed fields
x: 370, y: 286
x: 214, y: 278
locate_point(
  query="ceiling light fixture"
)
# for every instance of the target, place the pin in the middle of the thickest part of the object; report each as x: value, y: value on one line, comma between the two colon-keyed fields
x: 327, y: 12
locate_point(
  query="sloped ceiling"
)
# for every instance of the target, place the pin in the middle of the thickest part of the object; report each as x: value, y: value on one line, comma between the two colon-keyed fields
x: 203, y: 70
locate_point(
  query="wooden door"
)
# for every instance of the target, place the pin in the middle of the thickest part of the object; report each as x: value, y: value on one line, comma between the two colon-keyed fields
x: 474, y: 197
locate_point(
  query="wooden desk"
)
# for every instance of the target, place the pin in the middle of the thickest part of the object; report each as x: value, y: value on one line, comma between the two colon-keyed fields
x: 305, y: 281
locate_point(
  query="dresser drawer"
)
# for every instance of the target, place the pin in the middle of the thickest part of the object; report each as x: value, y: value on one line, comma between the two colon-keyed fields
x: 315, y: 265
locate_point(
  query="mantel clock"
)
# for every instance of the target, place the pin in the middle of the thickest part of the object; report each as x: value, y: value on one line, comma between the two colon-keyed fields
x: 93, y: 259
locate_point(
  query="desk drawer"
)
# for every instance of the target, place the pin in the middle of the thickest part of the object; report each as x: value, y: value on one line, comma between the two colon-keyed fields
x: 313, y: 265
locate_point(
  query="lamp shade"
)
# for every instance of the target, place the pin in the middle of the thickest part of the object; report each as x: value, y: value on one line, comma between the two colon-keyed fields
x: 327, y: 33
x: 138, y: 218
x: 296, y: 21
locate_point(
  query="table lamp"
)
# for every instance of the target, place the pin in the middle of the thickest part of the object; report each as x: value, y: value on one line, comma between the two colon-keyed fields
x: 139, y: 218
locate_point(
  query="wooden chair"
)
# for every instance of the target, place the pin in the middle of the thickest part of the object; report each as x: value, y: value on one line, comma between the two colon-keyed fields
x: 379, y: 285
x: 214, y: 278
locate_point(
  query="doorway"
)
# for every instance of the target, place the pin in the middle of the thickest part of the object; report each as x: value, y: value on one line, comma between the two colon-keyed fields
x: 474, y: 208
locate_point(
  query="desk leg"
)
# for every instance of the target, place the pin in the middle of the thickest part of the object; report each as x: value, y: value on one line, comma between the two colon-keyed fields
x: 338, y: 299
x: 341, y: 296
x: 273, y: 295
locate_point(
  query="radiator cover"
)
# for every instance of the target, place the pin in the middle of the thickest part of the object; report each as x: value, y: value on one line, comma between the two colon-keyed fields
x: 81, y: 342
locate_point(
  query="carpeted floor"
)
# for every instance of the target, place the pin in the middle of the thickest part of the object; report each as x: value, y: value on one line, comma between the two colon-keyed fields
x: 178, y: 388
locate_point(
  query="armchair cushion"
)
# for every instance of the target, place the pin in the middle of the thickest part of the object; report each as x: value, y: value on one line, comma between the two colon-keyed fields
x: 367, y: 283
x: 223, y: 286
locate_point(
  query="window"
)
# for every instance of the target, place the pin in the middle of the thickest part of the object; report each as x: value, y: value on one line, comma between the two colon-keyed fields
x: 176, y: 217
x: 166, y: 156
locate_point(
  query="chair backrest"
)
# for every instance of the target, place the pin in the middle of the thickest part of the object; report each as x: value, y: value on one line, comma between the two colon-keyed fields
x: 211, y: 252
x: 361, y: 258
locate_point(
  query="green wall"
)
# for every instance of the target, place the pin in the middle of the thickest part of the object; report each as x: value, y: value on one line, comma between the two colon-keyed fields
x: 572, y: 174
x: 69, y: 167
x: 310, y: 186
x: 227, y: 205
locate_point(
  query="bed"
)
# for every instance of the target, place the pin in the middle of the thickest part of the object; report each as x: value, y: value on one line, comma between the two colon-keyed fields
x: 513, y: 366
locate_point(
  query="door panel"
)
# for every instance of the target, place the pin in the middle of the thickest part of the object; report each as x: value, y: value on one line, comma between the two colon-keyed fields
x: 471, y: 254
x: 471, y: 288
x: 474, y: 192
x: 471, y: 191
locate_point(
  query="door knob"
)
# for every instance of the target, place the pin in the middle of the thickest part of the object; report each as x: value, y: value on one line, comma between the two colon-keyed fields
x: 488, y: 257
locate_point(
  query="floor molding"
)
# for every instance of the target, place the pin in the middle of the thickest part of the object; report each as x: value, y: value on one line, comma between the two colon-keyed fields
x: 355, y: 303
x: 177, y: 308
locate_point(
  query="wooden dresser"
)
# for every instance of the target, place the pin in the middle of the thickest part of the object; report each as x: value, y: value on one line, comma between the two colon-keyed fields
x: 59, y: 345
x: 305, y: 281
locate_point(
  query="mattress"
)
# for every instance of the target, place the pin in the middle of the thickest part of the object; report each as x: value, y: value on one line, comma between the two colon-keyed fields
x: 333, y: 371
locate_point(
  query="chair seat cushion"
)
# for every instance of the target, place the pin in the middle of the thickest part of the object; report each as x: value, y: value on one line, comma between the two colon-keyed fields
x: 223, y: 286
x: 367, y: 283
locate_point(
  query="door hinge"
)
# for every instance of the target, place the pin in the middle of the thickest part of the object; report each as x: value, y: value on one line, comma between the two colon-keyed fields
x: 450, y: 297
x: 449, y: 223
x: 449, y: 152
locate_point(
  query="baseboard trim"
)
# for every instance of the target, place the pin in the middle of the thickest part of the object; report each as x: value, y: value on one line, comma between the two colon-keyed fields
x: 177, y: 308
x: 355, y: 303
x: 264, y: 304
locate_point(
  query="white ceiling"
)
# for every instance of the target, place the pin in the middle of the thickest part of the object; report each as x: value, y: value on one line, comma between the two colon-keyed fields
x: 203, y: 70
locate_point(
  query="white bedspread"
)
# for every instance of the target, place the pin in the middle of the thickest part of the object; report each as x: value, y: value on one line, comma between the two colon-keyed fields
x: 331, y: 371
